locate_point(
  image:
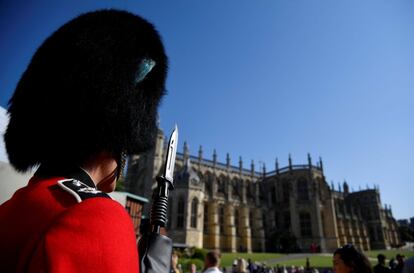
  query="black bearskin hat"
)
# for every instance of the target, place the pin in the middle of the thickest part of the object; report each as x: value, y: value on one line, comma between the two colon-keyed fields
x: 91, y: 87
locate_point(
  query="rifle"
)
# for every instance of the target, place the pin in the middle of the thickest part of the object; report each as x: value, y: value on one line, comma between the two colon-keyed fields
x: 154, y: 248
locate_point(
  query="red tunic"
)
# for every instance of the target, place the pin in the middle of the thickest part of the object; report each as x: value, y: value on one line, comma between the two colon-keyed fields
x: 44, y: 229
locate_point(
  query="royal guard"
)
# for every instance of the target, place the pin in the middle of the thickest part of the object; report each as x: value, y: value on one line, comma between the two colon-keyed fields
x: 88, y: 97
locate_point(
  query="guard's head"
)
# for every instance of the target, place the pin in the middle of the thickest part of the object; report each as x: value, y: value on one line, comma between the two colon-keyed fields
x: 93, y: 86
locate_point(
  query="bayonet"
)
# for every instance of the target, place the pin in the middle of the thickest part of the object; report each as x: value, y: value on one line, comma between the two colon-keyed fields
x: 158, y: 217
x: 154, y: 248
x: 170, y: 159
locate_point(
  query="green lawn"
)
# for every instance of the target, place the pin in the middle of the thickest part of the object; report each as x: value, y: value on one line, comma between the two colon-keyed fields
x: 228, y: 258
x: 315, y: 261
x: 322, y: 260
x: 389, y: 253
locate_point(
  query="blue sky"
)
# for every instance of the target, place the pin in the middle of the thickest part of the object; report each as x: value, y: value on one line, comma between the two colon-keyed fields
x: 262, y: 79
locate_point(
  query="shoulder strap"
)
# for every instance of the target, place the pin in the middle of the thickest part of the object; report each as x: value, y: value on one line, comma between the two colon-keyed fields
x: 80, y: 190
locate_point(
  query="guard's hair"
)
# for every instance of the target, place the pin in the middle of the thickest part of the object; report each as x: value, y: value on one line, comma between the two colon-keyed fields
x: 79, y: 95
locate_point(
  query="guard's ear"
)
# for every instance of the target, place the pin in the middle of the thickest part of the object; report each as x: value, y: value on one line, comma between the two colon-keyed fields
x: 144, y: 68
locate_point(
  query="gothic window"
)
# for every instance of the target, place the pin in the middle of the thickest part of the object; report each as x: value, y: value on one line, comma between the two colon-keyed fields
x: 209, y: 182
x: 236, y: 221
x: 285, y: 190
x: 251, y: 190
x: 205, y: 228
x: 379, y: 234
x: 323, y: 224
x: 194, y: 208
x: 341, y: 208
x: 235, y: 188
x: 372, y: 236
x: 251, y: 219
x: 276, y: 219
x: 305, y: 224
x: 302, y: 186
x: 263, y: 193
x: 273, y: 194
x: 346, y: 209
x: 221, y: 219
x: 220, y: 185
x: 337, y: 207
x: 286, y: 220
x: 322, y: 188
x: 180, y: 213
x: 264, y: 220
x: 368, y: 213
